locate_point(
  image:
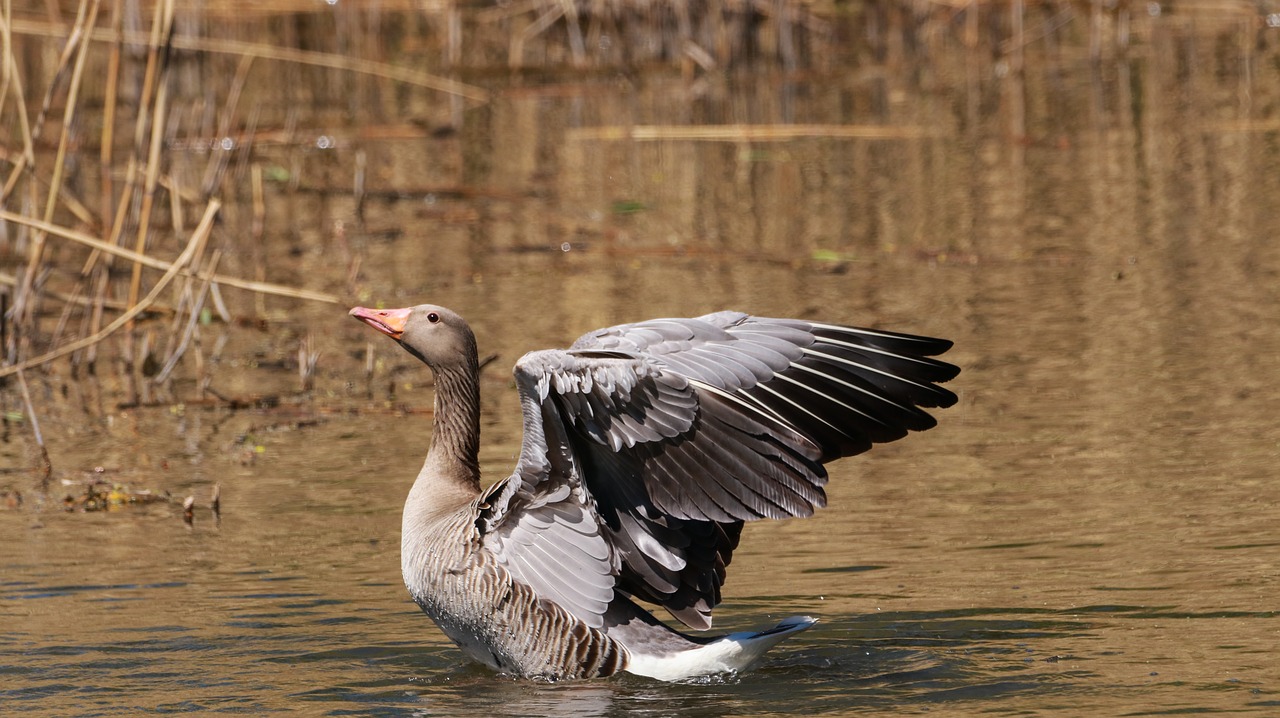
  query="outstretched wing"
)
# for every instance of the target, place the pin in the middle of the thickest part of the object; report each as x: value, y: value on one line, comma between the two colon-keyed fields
x: 647, y: 445
x: 778, y: 398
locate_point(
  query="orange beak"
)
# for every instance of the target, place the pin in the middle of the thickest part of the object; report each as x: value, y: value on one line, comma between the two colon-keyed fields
x: 388, y: 321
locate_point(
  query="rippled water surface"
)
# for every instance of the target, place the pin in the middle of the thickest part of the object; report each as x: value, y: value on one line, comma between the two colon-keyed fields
x: 1093, y: 529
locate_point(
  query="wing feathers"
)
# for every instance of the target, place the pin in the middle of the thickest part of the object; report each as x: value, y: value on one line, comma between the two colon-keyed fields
x: 653, y: 442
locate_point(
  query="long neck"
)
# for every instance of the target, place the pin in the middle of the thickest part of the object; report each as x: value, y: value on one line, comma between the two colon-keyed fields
x: 455, y: 443
x: 450, y: 477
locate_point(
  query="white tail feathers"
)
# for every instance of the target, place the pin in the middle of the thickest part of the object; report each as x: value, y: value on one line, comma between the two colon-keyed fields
x: 731, y: 653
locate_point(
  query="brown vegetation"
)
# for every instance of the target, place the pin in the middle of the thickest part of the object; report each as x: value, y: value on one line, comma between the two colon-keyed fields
x: 138, y: 153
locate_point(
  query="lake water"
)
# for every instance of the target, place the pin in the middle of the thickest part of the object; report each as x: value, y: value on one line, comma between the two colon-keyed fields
x: 1094, y: 528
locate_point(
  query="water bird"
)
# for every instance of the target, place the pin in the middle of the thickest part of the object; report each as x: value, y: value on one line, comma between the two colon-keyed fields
x: 646, y: 447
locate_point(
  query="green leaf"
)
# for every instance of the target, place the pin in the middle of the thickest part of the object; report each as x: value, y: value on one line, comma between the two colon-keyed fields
x: 275, y: 173
x: 628, y: 206
x: 830, y: 255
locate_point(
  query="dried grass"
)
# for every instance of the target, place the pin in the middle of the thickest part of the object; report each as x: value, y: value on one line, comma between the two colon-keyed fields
x: 70, y: 248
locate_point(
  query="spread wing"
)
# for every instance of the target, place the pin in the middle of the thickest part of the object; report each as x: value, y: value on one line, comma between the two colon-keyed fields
x: 648, y: 445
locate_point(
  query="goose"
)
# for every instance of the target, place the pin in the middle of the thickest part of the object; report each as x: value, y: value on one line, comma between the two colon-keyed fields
x: 646, y: 448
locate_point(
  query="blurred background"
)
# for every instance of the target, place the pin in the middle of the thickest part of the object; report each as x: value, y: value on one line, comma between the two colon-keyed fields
x: 202, y: 459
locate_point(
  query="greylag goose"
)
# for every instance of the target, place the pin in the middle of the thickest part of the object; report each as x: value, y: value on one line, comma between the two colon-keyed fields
x: 646, y: 446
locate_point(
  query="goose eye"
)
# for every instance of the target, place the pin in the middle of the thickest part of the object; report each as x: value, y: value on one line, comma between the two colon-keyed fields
x: 433, y: 317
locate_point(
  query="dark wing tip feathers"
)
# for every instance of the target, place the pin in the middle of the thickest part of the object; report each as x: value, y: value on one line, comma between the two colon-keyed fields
x: 913, y: 350
x: 850, y: 387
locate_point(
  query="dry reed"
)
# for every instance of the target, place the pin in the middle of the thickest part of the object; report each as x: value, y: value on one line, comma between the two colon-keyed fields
x: 47, y: 221
x: 405, y: 75
x: 75, y: 232
x: 747, y: 133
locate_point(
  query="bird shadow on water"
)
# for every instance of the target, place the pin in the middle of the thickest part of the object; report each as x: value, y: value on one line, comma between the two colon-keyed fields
x: 909, y: 662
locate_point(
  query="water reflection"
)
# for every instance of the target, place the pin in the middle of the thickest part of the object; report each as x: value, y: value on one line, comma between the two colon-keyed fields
x: 1091, y: 528
x: 888, y: 672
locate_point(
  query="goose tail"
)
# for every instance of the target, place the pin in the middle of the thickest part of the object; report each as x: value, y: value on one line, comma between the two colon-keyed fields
x: 727, y: 654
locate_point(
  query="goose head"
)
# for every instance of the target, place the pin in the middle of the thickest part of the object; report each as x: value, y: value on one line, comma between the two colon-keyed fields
x: 435, y: 335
